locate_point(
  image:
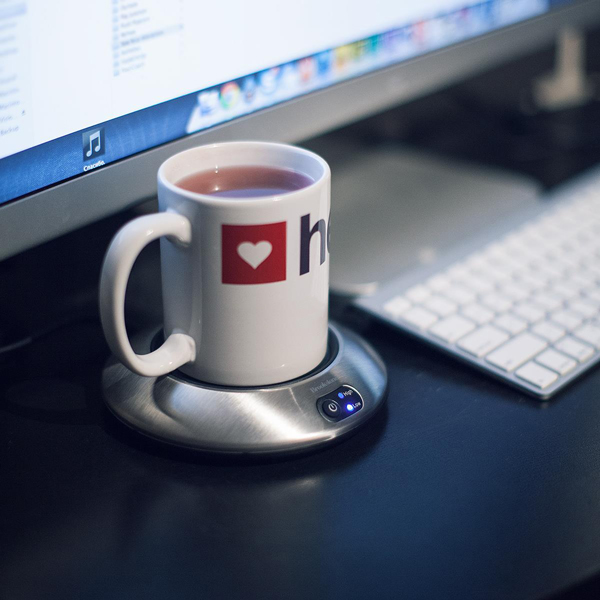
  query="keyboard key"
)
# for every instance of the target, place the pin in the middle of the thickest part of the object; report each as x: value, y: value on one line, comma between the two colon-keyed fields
x: 594, y: 303
x: 477, y: 261
x: 482, y: 341
x: 527, y: 286
x: 583, y: 278
x: 556, y: 361
x: 594, y: 268
x: 564, y: 290
x: 537, y: 375
x: 460, y: 294
x: 567, y: 318
x: 583, y: 307
x: 554, y: 274
x: 589, y: 333
x: 477, y: 284
x: 496, y: 302
x: 440, y: 305
x: 419, y: 317
x: 417, y: 294
x: 478, y: 313
x: 578, y: 350
x: 511, y: 323
x: 530, y: 312
x: 438, y: 283
x: 514, y: 291
x: 396, y: 306
x: 517, y: 351
x: 458, y: 272
x: 594, y: 294
x: 502, y: 270
x: 534, y: 279
x: 549, y: 331
x: 452, y: 328
x: 494, y: 274
x: 547, y: 300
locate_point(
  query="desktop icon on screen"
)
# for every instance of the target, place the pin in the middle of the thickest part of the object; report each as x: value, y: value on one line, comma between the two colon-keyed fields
x: 208, y: 101
x: 306, y: 68
x: 324, y: 60
x: 342, y: 56
x: 249, y: 88
x: 230, y: 94
x: 93, y: 143
x: 268, y: 80
x: 290, y: 77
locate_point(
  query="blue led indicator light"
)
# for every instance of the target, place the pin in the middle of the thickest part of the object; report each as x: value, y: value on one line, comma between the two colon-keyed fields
x: 349, y: 407
x: 340, y: 395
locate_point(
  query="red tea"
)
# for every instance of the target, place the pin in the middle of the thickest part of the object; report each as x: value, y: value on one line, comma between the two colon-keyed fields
x: 245, y: 182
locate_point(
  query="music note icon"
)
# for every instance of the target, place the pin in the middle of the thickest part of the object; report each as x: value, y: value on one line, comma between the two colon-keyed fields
x: 93, y: 143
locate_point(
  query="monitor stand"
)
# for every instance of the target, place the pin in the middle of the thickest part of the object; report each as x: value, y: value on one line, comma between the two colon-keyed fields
x: 568, y: 85
x: 394, y: 208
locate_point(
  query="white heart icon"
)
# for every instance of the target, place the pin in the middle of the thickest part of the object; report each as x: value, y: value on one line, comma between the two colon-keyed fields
x: 255, y: 254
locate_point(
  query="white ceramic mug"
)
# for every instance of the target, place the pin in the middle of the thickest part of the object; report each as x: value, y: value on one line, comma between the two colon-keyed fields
x: 245, y: 281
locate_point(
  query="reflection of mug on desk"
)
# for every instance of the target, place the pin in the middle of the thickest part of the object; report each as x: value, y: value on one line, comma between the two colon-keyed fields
x: 245, y: 268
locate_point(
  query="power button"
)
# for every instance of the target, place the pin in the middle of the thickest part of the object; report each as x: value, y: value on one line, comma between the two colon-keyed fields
x: 331, y: 408
x: 341, y: 403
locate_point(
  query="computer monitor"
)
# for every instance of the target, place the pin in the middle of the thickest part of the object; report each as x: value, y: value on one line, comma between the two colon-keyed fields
x: 94, y: 96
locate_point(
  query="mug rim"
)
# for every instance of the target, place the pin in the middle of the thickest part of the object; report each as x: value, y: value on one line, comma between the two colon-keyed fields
x: 240, y: 202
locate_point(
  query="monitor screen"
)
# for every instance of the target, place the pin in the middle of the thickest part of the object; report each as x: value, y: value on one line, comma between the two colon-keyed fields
x: 86, y: 84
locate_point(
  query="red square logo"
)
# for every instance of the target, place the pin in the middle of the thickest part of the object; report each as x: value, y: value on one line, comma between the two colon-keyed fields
x: 253, y: 253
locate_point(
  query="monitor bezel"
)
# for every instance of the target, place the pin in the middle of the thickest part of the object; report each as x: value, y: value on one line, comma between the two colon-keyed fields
x: 51, y: 212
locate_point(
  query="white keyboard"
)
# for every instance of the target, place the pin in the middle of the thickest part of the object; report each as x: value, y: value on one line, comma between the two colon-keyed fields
x: 525, y: 308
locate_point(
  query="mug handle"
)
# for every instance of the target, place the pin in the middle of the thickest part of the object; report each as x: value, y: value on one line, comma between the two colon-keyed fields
x: 179, y: 348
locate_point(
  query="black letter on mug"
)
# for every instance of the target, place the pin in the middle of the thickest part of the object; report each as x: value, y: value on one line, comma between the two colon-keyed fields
x: 305, y: 236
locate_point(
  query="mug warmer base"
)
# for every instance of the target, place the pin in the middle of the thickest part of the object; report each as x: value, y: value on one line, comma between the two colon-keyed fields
x: 328, y: 403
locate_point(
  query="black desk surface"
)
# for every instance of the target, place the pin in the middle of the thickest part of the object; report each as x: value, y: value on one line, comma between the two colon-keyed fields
x: 460, y: 488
